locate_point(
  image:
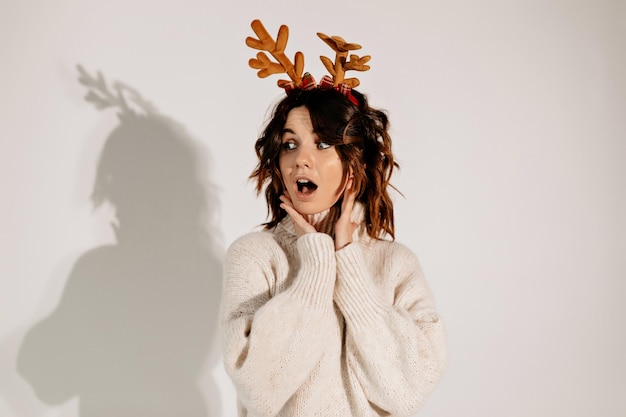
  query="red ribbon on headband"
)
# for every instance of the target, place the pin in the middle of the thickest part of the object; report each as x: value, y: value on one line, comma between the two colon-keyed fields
x: 308, y: 83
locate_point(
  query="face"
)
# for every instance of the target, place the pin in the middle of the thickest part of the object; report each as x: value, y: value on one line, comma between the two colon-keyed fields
x: 311, y: 169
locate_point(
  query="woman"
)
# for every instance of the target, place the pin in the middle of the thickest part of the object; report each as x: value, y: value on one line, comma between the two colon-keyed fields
x: 321, y: 315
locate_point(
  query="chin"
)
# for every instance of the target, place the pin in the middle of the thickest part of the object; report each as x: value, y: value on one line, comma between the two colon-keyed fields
x: 309, y: 209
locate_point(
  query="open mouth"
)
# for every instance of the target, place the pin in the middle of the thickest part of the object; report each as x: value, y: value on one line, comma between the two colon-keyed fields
x: 305, y: 186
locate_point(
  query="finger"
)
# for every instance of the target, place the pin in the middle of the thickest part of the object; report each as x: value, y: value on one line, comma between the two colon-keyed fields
x: 286, y: 200
x: 287, y: 205
x: 299, y: 222
x: 349, y: 190
x: 349, y: 196
x: 290, y: 210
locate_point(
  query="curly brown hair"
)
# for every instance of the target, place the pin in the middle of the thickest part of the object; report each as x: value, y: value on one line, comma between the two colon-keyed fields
x: 360, y: 136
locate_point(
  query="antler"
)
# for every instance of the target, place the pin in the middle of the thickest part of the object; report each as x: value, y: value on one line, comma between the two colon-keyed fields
x: 102, y: 97
x: 340, y: 66
x: 99, y: 93
x: 277, y: 49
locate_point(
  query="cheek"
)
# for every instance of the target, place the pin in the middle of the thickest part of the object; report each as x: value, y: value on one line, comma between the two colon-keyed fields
x: 282, y: 164
x: 284, y: 168
x: 333, y: 170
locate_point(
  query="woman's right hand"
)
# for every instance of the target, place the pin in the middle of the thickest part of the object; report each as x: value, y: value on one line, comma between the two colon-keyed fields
x: 301, y: 225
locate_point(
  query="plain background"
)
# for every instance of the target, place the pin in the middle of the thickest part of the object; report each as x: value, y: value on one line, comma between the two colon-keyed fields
x: 508, y: 119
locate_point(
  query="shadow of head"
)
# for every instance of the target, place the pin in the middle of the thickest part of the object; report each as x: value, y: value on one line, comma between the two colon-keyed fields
x: 133, y: 329
x: 150, y: 172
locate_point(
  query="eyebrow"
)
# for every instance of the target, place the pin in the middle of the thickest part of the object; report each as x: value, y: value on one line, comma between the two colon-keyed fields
x: 288, y: 130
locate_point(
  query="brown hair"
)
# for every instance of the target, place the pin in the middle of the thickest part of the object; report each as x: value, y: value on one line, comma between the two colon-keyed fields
x: 360, y: 136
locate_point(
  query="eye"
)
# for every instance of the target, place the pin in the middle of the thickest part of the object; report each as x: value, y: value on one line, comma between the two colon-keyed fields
x: 323, y: 145
x: 288, y: 146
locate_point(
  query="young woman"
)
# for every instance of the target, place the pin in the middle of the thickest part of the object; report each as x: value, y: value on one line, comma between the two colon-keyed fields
x: 323, y: 313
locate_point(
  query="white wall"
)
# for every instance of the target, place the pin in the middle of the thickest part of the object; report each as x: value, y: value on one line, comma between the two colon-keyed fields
x: 508, y: 121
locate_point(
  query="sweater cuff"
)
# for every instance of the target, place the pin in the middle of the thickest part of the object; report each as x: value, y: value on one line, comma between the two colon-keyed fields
x: 355, y: 292
x: 315, y: 281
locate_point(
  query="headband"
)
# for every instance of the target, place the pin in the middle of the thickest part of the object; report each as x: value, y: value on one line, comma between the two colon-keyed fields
x: 298, y: 79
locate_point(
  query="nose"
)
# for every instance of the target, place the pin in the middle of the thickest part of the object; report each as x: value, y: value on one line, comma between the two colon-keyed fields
x: 304, y: 158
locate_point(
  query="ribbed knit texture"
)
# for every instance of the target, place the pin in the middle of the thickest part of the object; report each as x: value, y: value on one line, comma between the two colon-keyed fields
x: 308, y: 331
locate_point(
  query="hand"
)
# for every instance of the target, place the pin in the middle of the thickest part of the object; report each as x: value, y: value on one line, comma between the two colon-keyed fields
x: 301, y: 225
x: 344, y: 228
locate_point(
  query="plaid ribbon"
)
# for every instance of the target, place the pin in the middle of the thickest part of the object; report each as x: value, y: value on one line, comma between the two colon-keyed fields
x: 308, y: 83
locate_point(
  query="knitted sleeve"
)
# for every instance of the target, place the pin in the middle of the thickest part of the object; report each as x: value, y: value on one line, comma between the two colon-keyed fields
x: 395, y: 345
x: 271, y: 344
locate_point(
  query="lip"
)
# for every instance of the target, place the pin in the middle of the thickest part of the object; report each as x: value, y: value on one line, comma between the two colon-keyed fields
x: 302, y: 177
x: 302, y: 196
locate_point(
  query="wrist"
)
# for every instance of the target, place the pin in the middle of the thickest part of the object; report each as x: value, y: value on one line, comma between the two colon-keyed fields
x: 341, y: 243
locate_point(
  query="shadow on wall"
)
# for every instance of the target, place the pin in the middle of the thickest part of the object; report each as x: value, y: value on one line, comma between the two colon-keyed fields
x: 134, y: 328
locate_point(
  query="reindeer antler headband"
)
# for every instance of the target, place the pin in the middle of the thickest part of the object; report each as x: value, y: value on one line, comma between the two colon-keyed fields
x: 300, y: 81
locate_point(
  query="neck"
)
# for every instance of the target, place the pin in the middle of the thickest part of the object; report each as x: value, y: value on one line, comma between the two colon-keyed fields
x: 325, y: 221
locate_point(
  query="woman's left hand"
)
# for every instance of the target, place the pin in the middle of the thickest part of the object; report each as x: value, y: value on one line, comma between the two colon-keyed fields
x: 344, y: 228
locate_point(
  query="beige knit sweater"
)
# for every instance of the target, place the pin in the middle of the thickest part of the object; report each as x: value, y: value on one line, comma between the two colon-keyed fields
x: 308, y: 331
